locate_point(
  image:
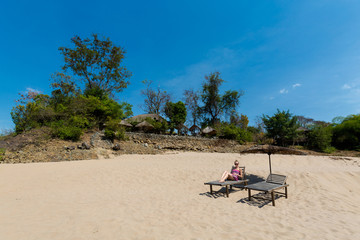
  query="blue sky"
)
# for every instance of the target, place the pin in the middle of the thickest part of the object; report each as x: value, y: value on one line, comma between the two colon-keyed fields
x: 302, y: 56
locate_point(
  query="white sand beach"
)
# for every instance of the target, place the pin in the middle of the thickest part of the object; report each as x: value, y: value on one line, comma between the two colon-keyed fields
x: 164, y: 197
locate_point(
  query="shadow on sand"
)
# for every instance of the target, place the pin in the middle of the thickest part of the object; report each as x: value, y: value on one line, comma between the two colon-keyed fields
x: 259, y: 200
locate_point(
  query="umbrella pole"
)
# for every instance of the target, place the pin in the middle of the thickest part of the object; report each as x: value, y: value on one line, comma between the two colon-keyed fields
x: 270, y: 163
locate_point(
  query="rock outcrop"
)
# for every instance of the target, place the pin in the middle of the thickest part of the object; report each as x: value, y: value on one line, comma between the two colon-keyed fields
x: 37, y: 146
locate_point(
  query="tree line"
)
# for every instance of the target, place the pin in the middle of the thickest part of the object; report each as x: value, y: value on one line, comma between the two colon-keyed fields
x: 83, y: 97
x: 286, y: 129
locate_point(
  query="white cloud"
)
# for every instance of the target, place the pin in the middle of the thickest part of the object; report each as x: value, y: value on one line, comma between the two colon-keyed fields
x: 28, y: 90
x: 296, y: 85
x: 346, y: 86
x: 283, y: 91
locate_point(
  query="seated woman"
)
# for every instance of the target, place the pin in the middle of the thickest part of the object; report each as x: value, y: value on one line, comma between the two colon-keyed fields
x: 236, y: 173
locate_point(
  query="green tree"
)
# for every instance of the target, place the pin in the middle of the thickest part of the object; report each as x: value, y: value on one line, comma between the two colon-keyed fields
x: 113, y: 130
x: 32, y: 111
x: 97, y: 63
x: 319, y: 137
x: 176, y: 112
x: 230, y: 131
x: 346, y: 135
x: 281, y: 127
x: 244, y: 121
x: 160, y: 126
x: 215, y: 104
x: 68, y: 110
x: 241, y: 121
x: 64, y: 90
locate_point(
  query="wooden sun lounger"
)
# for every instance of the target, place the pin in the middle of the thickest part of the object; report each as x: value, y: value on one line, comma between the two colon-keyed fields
x: 273, y: 182
x: 228, y: 183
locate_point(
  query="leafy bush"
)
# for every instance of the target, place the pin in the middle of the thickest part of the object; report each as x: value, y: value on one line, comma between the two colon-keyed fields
x: 230, y: 131
x: 319, y: 138
x: 281, y: 127
x: 120, y: 134
x: 176, y: 112
x: 346, y: 135
x: 69, y: 133
x: 110, y: 134
x: 329, y: 150
x: 79, y: 121
x: 2, y: 154
x: 20, y: 116
x: 159, y: 126
x: 113, y: 130
x: 243, y: 136
x: 64, y: 131
x: 95, y: 91
x: 67, y: 115
x: 70, y: 109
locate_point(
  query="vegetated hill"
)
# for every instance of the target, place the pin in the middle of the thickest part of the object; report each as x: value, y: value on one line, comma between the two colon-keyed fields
x: 37, y: 145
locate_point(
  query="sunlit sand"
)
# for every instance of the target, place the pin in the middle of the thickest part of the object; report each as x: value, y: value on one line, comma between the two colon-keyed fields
x: 164, y: 197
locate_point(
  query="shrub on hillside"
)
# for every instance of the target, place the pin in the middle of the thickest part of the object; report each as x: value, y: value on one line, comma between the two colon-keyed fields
x: 70, y: 109
x: 230, y: 131
x: 67, y: 118
x: 109, y: 134
x: 66, y: 132
x: 113, y: 130
x: 32, y: 112
x: 329, y: 150
x: 2, y: 154
x: 319, y: 138
x: 160, y: 126
x: 346, y: 135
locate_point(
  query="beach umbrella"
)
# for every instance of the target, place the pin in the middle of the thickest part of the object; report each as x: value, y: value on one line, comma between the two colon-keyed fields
x: 270, y: 149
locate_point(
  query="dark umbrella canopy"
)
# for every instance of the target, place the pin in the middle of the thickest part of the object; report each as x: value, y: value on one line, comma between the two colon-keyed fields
x: 270, y: 149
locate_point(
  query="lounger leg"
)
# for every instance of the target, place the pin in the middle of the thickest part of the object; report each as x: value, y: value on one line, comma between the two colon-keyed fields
x: 249, y: 193
x: 273, y: 198
x: 227, y: 191
x: 211, y: 191
x: 285, y: 192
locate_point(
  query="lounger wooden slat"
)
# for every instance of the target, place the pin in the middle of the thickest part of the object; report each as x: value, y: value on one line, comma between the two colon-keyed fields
x: 228, y: 184
x: 272, y: 183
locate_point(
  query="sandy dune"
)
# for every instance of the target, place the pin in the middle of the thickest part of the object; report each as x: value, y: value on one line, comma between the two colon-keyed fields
x: 163, y: 197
